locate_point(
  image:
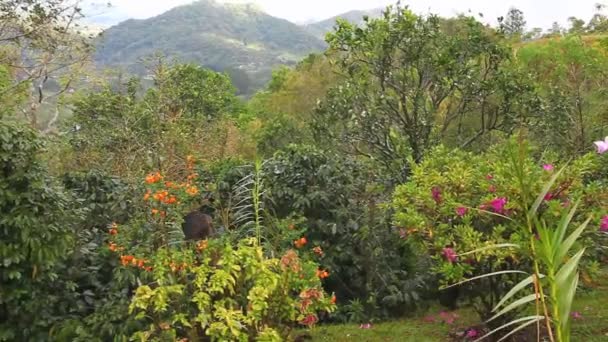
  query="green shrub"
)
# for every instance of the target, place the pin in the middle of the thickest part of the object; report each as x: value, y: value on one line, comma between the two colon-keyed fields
x: 456, y: 202
x: 36, y: 221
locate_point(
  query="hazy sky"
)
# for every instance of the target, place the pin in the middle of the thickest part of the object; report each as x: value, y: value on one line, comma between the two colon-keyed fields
x: 538, y: 13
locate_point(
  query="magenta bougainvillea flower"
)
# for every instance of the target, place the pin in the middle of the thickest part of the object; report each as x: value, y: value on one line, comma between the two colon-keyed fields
x: 450, y: 255
x: 548, y: 167
x: 436, y: 193
x: 498, y: 205
x: 448, y: 317
x: 604, y: 224
x: 461, y: 211
x: 548, y: 196
x: 472, y: 333
x: 602, y: 146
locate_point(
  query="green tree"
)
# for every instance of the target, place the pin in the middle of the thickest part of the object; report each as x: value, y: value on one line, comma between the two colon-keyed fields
x: 571, y: 77
x: 409, y: 84
x: 35, y: 236
x: 514, y: 24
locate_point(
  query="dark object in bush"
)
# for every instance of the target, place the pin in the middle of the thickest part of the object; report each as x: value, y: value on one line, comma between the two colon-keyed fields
x: 198, y: 225
x: 449, y: 297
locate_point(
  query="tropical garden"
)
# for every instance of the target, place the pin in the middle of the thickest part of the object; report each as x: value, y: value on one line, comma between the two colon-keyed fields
x: 426, y: 178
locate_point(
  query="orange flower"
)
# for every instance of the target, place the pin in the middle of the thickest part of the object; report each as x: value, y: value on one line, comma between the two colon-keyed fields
x: 113, y: 247
x: 154, y: 211
x: 322, y: 274
x: 113, y: 231
x: 171, y: 200
x: 333, y: 299
x: 192, y: 176
x: 126, y: 259
x: 153, y: 178
x: 147, y: 195
x: 201, y: 245
x: 140, y: 263
x: 148, y: 268
x: 192, y: 190
x: 169, y: 185
x: 301, y: 242
x: 318, y: 251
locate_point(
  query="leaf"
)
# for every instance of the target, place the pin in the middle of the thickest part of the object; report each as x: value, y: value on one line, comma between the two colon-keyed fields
x: 501, y: 245
x: 546, y: 188
x: 515, y: 304
x: 520, y: 327
x: 565, y: 303
x: 568, y: 270
x: 531, y: 319
x: 565, y: 246
x: 563, y: 226
x: 483, y: 276
x: 522, y: 284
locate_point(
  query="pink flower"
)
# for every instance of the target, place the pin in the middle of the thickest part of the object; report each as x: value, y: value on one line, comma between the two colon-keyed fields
x: 548, y: 196
x: 489, y: 177
x: 604, y: 224
x: 602, y: 146
x: 548, y: 167
x: 436, y: 193
x: 448, y: 317
x: 461, y: 211
x: 492, y: 188
x: 498, y: 205
x: 365, y: 326
x: 450, y: 255
x: 576, y: 315
x: 309, y: 320
x: 429, y: 319
x: 472, y: 333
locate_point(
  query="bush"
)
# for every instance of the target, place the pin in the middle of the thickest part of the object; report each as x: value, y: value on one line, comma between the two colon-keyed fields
x: 456, y: 202
x: 340, y: 200
x: 36, y: 222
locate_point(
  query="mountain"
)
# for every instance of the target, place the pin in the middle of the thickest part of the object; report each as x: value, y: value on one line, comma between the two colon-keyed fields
x: 234, y: 37
x: 321, y: 28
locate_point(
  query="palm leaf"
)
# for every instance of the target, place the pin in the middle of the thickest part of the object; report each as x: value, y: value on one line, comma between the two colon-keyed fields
x: 518, y: 287
x: 528, y: 319
x: 515, y: 304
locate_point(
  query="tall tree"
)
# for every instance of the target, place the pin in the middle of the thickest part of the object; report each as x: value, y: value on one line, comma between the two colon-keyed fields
x: 409, y: 84
x: 514, y: 24
x: 44, y: 45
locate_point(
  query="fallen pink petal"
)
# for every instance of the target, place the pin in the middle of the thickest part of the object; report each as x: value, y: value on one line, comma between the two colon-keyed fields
x: 602, y: 146
x: 548, y: 167
x: 365, y: 326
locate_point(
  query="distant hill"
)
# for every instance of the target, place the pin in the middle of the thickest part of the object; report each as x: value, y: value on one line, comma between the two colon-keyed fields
x: 321, y: 28
x: 240, y: 39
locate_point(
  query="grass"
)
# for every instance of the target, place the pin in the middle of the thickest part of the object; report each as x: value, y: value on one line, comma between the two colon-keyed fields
x: 591, y: 327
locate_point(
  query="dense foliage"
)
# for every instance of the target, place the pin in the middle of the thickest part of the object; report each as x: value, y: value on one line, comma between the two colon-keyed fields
x: 419, y: 158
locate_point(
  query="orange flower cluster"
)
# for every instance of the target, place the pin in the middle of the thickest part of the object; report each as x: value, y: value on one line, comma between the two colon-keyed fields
x: 113, y: 247
x: 301, y: 242
x: 177, y: 267
x: 154, y: 178
x: 113, y: 229
x: 161, y: 213
x: 127, y: 260
x: 202, y: 245
x: 308, y: 296
x: 322, y: 274
x: 192, y: 190
x: 333, y: 299
x: 318, y: 251
x: 290, y: 260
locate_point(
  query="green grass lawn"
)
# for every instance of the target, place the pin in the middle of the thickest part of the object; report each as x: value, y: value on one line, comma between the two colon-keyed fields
x: 591, y: 327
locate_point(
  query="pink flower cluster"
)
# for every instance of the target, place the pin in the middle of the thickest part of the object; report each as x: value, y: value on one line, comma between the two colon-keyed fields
x: 604, y: 224
x: 450, y: 255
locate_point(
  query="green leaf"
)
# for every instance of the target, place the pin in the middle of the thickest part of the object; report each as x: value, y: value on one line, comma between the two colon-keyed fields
x: 522, y: 284
x: 483, y: 276
x: 565, y: 246
x: 565, y: 300
x: 563, y: 226
x: 568, y: 270
x: 529, y: 319
x: 515, y: 304
x: 501, y: 245
x: 543, y: 194
x: 521, y: 327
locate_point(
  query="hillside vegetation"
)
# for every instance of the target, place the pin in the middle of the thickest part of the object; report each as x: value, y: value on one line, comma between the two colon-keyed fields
x: 423, y: 178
